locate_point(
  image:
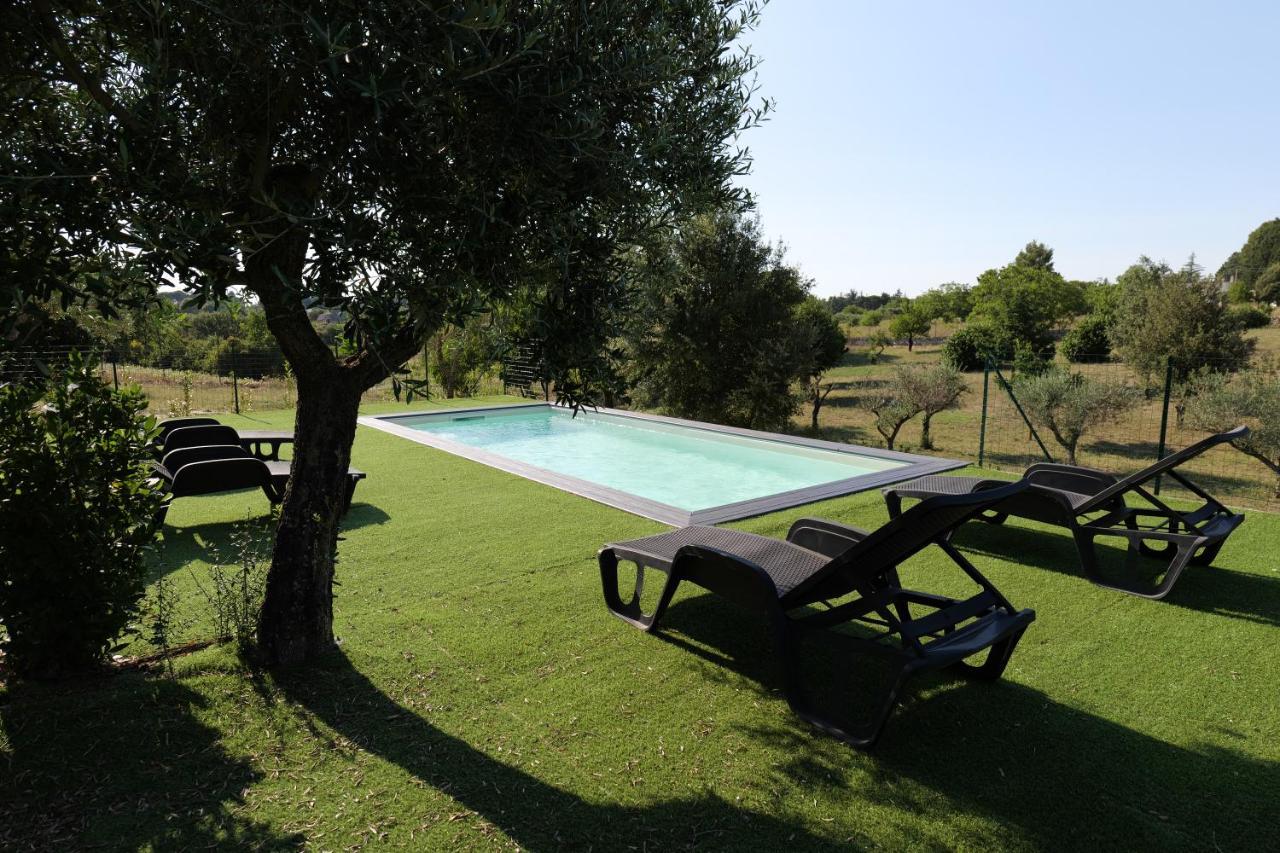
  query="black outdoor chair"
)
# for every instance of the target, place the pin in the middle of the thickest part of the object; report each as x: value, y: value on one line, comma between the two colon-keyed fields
x: 822, y: 562
x: 199, y: 435
x: 209, y: 469
x: 1092, y: 503
x: 170, y: 425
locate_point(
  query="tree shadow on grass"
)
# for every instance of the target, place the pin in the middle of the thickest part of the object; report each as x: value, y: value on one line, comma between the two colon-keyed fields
x: 124, y: 765
x: 1209, y: 589
x: 533, y: 813
x: 1045, y: 773
x: 214, y: 542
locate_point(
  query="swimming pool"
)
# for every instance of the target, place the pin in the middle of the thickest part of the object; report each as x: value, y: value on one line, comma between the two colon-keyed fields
x: 671, y: 470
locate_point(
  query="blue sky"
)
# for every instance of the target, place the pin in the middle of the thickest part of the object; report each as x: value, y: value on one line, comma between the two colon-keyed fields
x: 919, y: 143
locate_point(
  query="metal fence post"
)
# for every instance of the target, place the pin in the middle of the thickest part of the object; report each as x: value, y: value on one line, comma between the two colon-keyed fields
x: 235, y: 391
x: 982, y: 430
x: 1013, y: 398
x: 1164, y: 414
x: 115, y: 378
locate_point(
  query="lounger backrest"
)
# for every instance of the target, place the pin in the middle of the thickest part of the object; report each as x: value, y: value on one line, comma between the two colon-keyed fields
x: 221, y: 475
x: 1168, y: 463
x: 175, y: 459
x: 170, y: 425
x: 896, y: 541
x: 200, y: 436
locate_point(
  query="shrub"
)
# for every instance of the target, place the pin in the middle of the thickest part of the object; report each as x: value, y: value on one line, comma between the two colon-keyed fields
x: 1250, y: 316
x: 969, y: 347
x: 1087, y: 341
x: 1070, y: 404
x: 877, y: 343
x: 76, y: 517
x: 1030, y: 361
x: 871, y: 318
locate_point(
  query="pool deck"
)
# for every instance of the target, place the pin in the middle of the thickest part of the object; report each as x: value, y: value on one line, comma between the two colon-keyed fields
x: 916, y: 466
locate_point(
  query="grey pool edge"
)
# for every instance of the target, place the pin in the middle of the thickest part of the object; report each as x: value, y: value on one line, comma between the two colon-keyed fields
x: 918, y: 466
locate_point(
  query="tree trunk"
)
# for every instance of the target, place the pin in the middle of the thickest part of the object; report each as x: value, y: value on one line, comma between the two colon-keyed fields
x: 817, y: 404
x: 926, y: 440
x: 296, y: 622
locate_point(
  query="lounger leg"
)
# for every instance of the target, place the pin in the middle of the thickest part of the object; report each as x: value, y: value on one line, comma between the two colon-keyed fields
x: 163, y: 512
x: 997, y: 659
x: 1207, y: 554
x: 864, y: 736
x: 630, y: 611
x: 1087, y: 549
x: 893, y: 503
x: 349, y: 494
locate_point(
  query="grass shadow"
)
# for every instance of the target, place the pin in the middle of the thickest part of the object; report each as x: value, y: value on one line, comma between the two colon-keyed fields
x: 541, y: 816
x: 1000, y: 750
x: 212, y: 542
x: 121, y: 769
x: 1209, y: 589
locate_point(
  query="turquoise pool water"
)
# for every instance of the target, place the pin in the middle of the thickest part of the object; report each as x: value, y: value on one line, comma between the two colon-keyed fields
x: 681, y: 466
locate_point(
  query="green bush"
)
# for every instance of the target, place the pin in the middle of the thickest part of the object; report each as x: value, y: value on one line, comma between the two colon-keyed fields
x: 969, y: 347
x: 1087, y: 341
x: 1250, y: 316
x: 76, y: 517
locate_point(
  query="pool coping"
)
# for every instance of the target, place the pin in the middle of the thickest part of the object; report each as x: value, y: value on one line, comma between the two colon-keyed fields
x: 918, y: 466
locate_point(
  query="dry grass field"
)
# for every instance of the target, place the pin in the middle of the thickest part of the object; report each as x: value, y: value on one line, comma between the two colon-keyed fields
x: 1127, y: 444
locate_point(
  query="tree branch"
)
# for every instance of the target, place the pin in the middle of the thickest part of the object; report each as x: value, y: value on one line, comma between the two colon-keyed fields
x: 77, y: 74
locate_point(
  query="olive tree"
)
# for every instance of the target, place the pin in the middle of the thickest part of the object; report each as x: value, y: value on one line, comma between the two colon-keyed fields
x: 1071, y: 404
x: 1219, y: 403
x: 893, y: 403
x: 931, y: 389
x: 408, y: 162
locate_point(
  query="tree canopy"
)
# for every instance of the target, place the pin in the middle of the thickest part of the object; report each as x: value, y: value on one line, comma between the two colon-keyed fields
x: 1026, y: 303
x: 713, y: 330
x: 1257, y: 264
x: 1178, y: 316
x: 409, y: 163
x: 1035, y: 254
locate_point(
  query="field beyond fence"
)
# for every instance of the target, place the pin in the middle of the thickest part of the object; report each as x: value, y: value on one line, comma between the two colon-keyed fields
x: 986, y: 428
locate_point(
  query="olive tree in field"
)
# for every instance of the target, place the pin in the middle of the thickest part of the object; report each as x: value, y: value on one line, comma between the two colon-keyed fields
x: 932, y: 389
x: 1071, y: 404
x: 1219, y: 403
x: 893, y: 404
x: 409, y: 162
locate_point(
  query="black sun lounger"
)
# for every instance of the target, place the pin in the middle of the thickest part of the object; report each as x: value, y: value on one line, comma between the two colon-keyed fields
x: 855, y: 573
x: 264, y: 444
x: 210, y: 469
x: 1092, y: 503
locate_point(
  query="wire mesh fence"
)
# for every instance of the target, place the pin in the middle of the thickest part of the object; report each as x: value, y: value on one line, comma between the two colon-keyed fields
x: 1160, y: 412
x: 995, y: 423
x: 248, y: 384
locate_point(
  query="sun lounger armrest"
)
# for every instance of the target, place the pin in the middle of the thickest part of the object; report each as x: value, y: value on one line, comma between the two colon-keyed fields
x: 1072, y: 478
x: 826, y: 537
x: 728, y: 575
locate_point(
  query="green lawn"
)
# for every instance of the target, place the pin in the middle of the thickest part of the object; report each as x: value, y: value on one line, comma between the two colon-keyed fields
x: 483, y: 698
